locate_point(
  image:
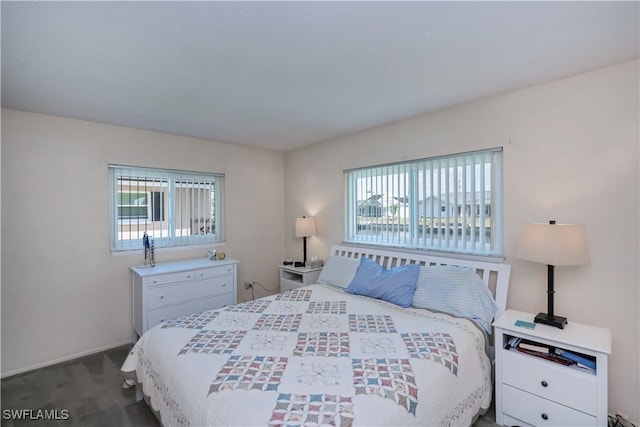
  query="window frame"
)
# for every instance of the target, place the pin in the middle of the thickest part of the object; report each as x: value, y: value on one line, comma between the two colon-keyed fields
x: 410, y: 176
x: 169, y: 215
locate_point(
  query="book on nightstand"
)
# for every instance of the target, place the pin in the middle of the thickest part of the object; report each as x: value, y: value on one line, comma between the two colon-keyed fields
x: 519, y: 343
x: 581, y: 360
x: 541, y: 348
x: 552, y: 357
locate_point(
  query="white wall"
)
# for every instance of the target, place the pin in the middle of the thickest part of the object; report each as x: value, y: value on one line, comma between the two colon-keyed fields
x: 63, y: 293
x: 570, y: 153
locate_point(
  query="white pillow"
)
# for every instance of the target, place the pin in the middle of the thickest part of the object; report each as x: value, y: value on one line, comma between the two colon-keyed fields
x: 339, y: 271
x: 455, y: 290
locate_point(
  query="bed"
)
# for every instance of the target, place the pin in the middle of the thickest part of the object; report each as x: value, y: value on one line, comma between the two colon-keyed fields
x: 344, y: 351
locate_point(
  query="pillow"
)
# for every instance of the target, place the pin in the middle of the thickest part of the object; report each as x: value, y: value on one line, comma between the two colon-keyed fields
x: 455, y: 290
x: 395, y: 285
x: 339, y: 271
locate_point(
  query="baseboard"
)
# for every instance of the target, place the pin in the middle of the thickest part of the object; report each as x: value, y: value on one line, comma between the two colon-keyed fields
x: 7, y: 374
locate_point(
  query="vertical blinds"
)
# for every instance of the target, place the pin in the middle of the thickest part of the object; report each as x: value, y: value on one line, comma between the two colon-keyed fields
x: 451, y: 203
x: 173, y: 207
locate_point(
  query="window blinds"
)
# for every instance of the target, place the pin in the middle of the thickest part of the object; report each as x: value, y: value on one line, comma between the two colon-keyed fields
x: 450, y: 203
x: 174, y: 208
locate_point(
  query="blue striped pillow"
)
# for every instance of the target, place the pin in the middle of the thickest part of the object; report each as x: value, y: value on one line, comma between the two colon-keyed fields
x: 458, y: 291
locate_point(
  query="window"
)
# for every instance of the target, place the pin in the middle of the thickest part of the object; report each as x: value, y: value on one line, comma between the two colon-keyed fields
x: 450, y: 203
x: 175, y: 208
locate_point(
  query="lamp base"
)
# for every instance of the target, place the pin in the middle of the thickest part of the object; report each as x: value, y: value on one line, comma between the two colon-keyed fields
x: 557, y: 321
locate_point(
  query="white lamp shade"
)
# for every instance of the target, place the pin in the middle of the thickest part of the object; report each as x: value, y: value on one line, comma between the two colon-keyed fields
x: 305, y: 227
x: 553, y: 244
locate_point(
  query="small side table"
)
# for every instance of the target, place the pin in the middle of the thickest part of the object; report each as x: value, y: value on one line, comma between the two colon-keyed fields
x: 531, y: 390
x: 295, y: 277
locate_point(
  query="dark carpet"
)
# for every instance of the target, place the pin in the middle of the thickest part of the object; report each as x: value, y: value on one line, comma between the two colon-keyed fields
x: 88, y: 388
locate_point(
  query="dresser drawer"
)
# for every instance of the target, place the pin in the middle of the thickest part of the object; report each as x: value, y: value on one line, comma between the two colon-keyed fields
x: 559, y: 383
x: 161, y: 315
x: 159, y: 296
x: 537, y: 411
x: 205, y: 273
x: 162, y: 279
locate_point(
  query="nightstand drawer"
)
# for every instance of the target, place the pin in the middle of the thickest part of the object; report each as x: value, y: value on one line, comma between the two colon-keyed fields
x: 160, y: 296
x: 537, y: 411
x: 564, y: 385
x: 161, y: 315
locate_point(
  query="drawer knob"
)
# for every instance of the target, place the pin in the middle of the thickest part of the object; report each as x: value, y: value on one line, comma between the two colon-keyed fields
x: 155, y: 281
x: 161, y: 296
x: 545, y: 416
x: 544, y: 384
x: 162, y: 320
x: 224, y: 284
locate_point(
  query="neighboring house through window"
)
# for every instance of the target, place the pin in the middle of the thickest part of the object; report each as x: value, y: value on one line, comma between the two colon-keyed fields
x: 132, y: 205
x: 449, y: 203
x: 175, y: 208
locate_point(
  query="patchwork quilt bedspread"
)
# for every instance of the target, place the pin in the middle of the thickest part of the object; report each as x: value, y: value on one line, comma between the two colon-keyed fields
x: 314, y: 356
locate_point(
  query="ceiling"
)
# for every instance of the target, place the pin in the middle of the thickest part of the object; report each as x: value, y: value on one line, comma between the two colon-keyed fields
x: 282, y: 75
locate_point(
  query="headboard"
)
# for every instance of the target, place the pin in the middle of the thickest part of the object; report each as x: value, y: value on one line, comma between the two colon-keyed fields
x: 494, y: 275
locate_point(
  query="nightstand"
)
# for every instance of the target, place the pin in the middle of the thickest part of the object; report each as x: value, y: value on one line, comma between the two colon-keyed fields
x: 533, y: 391
x: 294, y: 277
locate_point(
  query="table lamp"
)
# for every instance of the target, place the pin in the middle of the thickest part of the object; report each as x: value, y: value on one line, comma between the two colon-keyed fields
x: 305, y: 227
x: 554, y: 245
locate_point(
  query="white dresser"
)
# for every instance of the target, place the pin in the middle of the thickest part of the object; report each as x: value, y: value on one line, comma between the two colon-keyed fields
x: 173, y: 289
x: 532, y: 391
